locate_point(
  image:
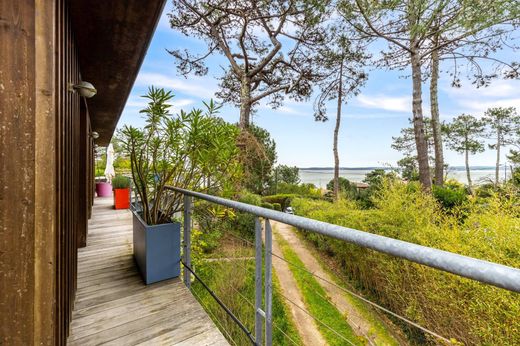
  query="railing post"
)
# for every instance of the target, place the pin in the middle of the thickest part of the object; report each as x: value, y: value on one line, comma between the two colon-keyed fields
x: 268, y: 284
x: 258, y: 282
x: 187, y: 240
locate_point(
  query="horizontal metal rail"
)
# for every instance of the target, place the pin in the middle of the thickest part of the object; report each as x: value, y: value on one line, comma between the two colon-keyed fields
x: 483, y: 271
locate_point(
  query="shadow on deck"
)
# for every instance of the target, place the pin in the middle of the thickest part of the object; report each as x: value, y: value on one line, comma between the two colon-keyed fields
x: 114, y: 306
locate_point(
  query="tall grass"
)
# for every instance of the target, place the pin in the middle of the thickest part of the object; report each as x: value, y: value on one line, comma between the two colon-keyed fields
x: 454, y: 307
x: 233, y: 282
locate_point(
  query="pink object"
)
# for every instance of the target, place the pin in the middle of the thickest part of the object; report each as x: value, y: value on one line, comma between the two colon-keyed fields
x: 103, y: 189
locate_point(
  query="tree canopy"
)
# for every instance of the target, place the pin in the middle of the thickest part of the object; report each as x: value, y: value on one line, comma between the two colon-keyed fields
x: 268, y: 44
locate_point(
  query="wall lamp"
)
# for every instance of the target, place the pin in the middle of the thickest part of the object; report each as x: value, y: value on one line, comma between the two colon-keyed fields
x: 83, y: 88
x: 94, y: 134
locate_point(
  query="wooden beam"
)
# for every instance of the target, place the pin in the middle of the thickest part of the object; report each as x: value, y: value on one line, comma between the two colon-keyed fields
x: 45, y: 175
x: 17, y: 172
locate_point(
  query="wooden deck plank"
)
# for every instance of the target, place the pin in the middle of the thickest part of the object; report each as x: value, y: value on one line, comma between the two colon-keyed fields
x: 114, y: 307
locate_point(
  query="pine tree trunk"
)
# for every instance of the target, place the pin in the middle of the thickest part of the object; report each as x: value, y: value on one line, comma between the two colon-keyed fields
x: 468, y: 175
x: 336, y: 133
x: 497, y: 169
x: 436, y: 125
x: 245, y: 103
x: 418, y: 123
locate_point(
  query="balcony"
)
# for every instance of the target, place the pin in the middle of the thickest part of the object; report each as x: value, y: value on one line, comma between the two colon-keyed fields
x: 114, y: 306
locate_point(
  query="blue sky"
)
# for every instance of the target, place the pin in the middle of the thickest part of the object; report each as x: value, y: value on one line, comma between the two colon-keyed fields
x: 369, y: 120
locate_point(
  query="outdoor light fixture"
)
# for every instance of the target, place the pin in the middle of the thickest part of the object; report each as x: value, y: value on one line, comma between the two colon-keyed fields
x: 83, y: 88
x: 95, y: 135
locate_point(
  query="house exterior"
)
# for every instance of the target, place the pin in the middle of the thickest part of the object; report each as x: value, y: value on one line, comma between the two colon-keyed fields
x: 47, y: 145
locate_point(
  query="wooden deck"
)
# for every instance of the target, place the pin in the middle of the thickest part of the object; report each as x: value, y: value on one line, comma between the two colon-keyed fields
x: 114, y: 306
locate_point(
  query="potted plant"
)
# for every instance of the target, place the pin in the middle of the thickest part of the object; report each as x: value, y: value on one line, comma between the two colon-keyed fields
x: 103, y: 189
x: 121, y: 187
x: 192, y: 150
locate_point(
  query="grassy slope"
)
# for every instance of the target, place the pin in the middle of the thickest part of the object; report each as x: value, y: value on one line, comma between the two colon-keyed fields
x: 226, y: 277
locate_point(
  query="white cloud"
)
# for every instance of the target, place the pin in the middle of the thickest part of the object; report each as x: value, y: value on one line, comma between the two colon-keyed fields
x: 140, y: 102
x: 287, y: 110
x: 468, y: 99
x: 182, y: 103
x: 497, y: 89
x: 289, y: 107
x: 388, y: 103
x: 195, y: 86
x: 480, y: 106
x: 367, y: 116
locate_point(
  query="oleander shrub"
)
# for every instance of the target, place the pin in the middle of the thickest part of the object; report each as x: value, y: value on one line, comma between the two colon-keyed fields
x: 458, y: 308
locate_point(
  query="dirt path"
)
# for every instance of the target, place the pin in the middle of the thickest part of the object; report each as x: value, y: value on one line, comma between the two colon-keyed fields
x: 309, y: 333
x: 359, y: 324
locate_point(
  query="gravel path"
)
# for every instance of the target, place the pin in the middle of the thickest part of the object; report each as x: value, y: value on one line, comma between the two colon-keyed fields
x: 359, y: 324
x: 307, y: 328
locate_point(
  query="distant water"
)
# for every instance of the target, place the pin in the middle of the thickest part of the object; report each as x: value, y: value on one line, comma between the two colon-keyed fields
x: 321, y: 176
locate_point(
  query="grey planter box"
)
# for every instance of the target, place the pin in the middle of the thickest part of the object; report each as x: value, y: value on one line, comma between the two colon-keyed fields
x: 157, y: 249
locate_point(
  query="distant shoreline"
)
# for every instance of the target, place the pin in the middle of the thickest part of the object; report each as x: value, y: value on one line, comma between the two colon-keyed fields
x: 456, y: 168
x: 320, y: 176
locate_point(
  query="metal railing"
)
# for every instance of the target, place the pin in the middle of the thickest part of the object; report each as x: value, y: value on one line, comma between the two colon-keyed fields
x: 483, y: 271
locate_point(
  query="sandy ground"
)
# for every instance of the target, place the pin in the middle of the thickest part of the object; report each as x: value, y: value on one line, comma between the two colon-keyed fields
x: 337, y: 296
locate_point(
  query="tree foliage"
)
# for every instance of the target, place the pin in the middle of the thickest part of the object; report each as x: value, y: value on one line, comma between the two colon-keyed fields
x: 416, y: 29
x: 346, y: 188
x: 341, y: 70
x: 269, y: 46
x: 287, y: 174
x: 465, y: 136
x: 258, y: 157
x: 405, y: 143
x: 503, y: 124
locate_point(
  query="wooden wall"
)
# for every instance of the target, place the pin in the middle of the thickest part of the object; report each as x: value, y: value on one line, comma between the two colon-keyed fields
x: 17, y: 172
x: 46, y: 180
x: 74, y: 152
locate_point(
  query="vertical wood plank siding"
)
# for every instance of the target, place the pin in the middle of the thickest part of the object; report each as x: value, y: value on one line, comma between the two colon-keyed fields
x: 46, y: 158
x: 17, y: 185
x: 74, y: 157
x: 45, y: 174
x: 46, y: 171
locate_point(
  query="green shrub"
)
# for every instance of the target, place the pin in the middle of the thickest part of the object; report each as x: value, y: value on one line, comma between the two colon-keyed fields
x: 267, y: 205
x: 450, y: 196
x: 277, y: 206
x: 346, y: 187
x: 120, y: 182
x: 283, y: 199
x: 249, y: 198
x: 307, y: 190
x: 485, y: 190
x: 244, y: 223
x: 472, y: 313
